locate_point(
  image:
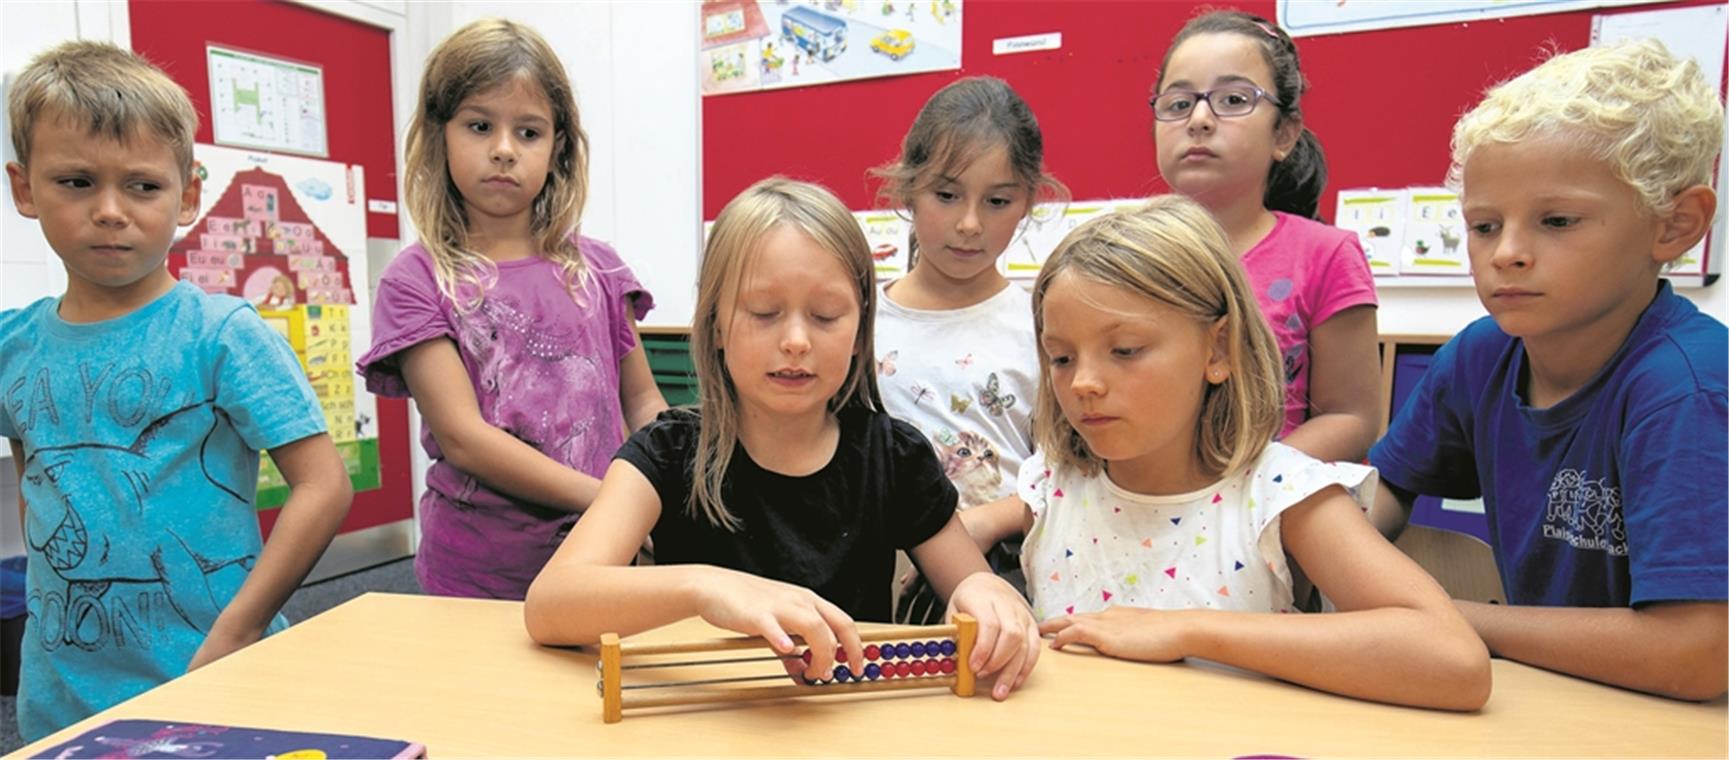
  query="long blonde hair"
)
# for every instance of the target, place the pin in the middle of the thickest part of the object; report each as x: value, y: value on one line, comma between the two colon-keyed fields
x: 733, y: 242
x: 1171, y: 251
x: 478, y: 57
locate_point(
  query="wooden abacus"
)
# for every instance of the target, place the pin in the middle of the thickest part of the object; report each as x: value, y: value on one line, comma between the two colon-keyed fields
x: 936, y: 656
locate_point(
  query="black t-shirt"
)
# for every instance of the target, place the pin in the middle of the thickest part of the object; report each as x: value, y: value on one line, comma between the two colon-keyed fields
x: 833, y: 531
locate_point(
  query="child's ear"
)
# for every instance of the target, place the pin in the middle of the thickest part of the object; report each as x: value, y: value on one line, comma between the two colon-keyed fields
x: 1684, y: 226
x: 21, y: 195
x: 1218, y: 367
x: 1286, y: 135
x: 189, y: 197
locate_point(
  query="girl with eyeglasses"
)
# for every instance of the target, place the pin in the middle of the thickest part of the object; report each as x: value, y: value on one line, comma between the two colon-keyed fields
x: 1228, y: 127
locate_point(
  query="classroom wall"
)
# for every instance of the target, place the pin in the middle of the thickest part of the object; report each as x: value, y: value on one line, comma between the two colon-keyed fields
x: 1382, y: 102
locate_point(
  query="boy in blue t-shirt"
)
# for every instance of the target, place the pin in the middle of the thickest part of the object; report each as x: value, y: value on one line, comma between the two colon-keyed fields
x: 136, y: 406
x: 1589, y: 410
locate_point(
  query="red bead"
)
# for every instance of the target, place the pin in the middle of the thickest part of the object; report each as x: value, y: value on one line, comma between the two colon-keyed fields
x: 871, y: 651
x: 839, y: 654
x: 918, y: 667
x: 903, y: 669
x: 888, y: 670
x: 948, y: 666
x: 806, y: 656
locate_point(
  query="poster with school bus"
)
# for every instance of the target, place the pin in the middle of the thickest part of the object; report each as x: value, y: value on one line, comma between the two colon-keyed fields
x: 749, y: 45
x: 288, y: 235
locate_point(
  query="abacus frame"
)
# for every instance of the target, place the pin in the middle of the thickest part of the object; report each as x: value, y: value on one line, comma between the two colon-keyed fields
x: 964, y: 631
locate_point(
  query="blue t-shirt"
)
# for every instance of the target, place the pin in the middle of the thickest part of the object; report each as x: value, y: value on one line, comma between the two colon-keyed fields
x: 141, y: 437
x: 1613, y: 497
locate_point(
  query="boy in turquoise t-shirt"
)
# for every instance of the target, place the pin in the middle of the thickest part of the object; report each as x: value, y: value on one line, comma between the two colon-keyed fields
x: 136, y: 406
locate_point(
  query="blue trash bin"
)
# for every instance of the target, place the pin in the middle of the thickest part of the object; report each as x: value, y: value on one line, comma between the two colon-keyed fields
x: 12, y: 614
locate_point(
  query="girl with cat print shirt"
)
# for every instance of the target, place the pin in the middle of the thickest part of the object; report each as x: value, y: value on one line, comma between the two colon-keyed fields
x: 955, y: 355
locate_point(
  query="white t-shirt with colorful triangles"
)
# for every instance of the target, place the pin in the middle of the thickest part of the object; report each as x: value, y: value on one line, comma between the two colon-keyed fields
x: 1094, y: 545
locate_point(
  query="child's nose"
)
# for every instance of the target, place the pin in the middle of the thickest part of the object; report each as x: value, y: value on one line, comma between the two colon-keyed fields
x: 1511, y: 249
x: 109, y: 211
x: 969, y: 222
x: 1086, y: 382
x: 796, y: 338
x: 503, y: 151
x: 1201, y: 118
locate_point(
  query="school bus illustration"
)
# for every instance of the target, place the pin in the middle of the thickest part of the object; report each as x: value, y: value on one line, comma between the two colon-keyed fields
x: 817, y: 33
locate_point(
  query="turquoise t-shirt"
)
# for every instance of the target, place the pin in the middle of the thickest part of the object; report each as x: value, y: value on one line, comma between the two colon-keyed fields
x: 141, y: 437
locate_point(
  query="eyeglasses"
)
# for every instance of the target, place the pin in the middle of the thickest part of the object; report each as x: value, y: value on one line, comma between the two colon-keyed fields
x: 1226, y: 102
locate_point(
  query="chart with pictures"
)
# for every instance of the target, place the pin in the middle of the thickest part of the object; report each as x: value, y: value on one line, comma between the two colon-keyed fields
x: 288, y: 235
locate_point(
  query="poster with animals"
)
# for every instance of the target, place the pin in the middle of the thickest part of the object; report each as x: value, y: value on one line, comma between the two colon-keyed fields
x: 1434, y: 234
x: 1378, y: 218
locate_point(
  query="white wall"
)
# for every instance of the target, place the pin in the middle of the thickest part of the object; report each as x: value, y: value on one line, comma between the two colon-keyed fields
x: 1444, y: 311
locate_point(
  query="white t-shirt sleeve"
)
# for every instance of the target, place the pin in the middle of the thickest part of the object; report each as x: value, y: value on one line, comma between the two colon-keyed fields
x: 1283, y: 477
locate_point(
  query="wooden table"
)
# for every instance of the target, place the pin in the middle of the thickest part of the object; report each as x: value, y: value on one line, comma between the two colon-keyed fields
x: 462, y: 677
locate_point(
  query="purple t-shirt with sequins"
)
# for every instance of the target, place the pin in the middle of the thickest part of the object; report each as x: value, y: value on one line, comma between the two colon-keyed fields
x: 545, y: 369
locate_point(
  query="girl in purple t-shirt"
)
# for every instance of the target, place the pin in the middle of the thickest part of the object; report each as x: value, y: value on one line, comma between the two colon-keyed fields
x: 1260, y: 172
x: 514, y: 334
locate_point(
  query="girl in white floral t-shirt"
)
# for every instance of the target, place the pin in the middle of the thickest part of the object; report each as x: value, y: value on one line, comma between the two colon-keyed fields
x: 1158, y: 512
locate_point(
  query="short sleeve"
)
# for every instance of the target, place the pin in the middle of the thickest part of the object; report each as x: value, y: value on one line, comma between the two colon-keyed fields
x: 1427, y: 448
x: 1284, y: 477
x: 1345, y: 281
x: 1674, y: 472
x: 408, y: 310
x: 924, y: 499
x: 260, y: 385
x: 1033, y: 485
x: 663, y: 451
x: 626, y: 297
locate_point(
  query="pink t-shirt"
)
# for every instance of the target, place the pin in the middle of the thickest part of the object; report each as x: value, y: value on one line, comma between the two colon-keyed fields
x: 1304, y: 272
x: 545, y: 369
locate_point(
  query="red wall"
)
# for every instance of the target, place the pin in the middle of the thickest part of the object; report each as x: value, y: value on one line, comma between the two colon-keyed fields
x: 357, y: 102
x: 1383, y: 103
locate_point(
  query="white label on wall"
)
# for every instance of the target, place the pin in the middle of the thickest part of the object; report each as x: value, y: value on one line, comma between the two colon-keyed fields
x: 377, y: 206
x: 1027, y: 44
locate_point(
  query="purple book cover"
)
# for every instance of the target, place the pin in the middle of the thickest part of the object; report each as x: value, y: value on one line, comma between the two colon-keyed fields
x: 160, y: 739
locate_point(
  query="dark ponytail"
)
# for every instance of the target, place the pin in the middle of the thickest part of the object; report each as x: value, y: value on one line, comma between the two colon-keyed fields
x: 1294, y: 185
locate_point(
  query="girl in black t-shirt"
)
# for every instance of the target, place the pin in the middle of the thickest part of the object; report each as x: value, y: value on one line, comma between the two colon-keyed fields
x: 777, y: 507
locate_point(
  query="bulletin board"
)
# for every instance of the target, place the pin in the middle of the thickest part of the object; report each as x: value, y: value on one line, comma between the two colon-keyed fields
x: 1383, y: 102
x: 356, y: 64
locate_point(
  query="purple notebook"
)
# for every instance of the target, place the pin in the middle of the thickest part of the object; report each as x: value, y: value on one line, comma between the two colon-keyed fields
x: 161, y: 739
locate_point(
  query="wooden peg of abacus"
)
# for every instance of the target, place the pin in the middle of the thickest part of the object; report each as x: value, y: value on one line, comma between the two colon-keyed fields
x: 896, y: 659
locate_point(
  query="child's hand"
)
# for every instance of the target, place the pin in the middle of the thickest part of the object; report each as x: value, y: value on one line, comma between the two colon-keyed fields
x: 1131, y: 633
x: 1008, y: 643
x: 221, y: 642
x: 760, y: 607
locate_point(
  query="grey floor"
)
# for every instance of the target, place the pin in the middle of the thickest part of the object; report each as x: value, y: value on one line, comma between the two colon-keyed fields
x: 310, y: 600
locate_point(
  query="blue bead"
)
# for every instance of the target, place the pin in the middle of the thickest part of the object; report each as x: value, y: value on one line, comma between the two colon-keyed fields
x: 948, y: 648
x: 918, y: 649
x: 888, y: 651
x: 932, y: 647
x: 842, y: 674
x: 873, y: 671
x: 903, y: 649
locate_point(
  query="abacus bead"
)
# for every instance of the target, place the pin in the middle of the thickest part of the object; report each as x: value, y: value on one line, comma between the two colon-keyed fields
x: 948, y: 647
x: 842, y: 674
x: 948, y: 666
x: 871, y: 651
x: 873, y: 671
x: 918, y: 649
x: 806, y: 656
x: 839, y: 654
x: 918, y: 667
x: 933, y: 648
x: 903, y: 669
x: 903, y: 649
x: 888, y: 670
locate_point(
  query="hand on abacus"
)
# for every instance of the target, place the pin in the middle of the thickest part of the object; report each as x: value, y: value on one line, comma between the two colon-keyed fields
x: 771, y: 609
x: 1131, y: 633
x: 1008, y: 643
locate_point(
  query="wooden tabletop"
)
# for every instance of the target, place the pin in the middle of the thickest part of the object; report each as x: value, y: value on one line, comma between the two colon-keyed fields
x: 462, y: 677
